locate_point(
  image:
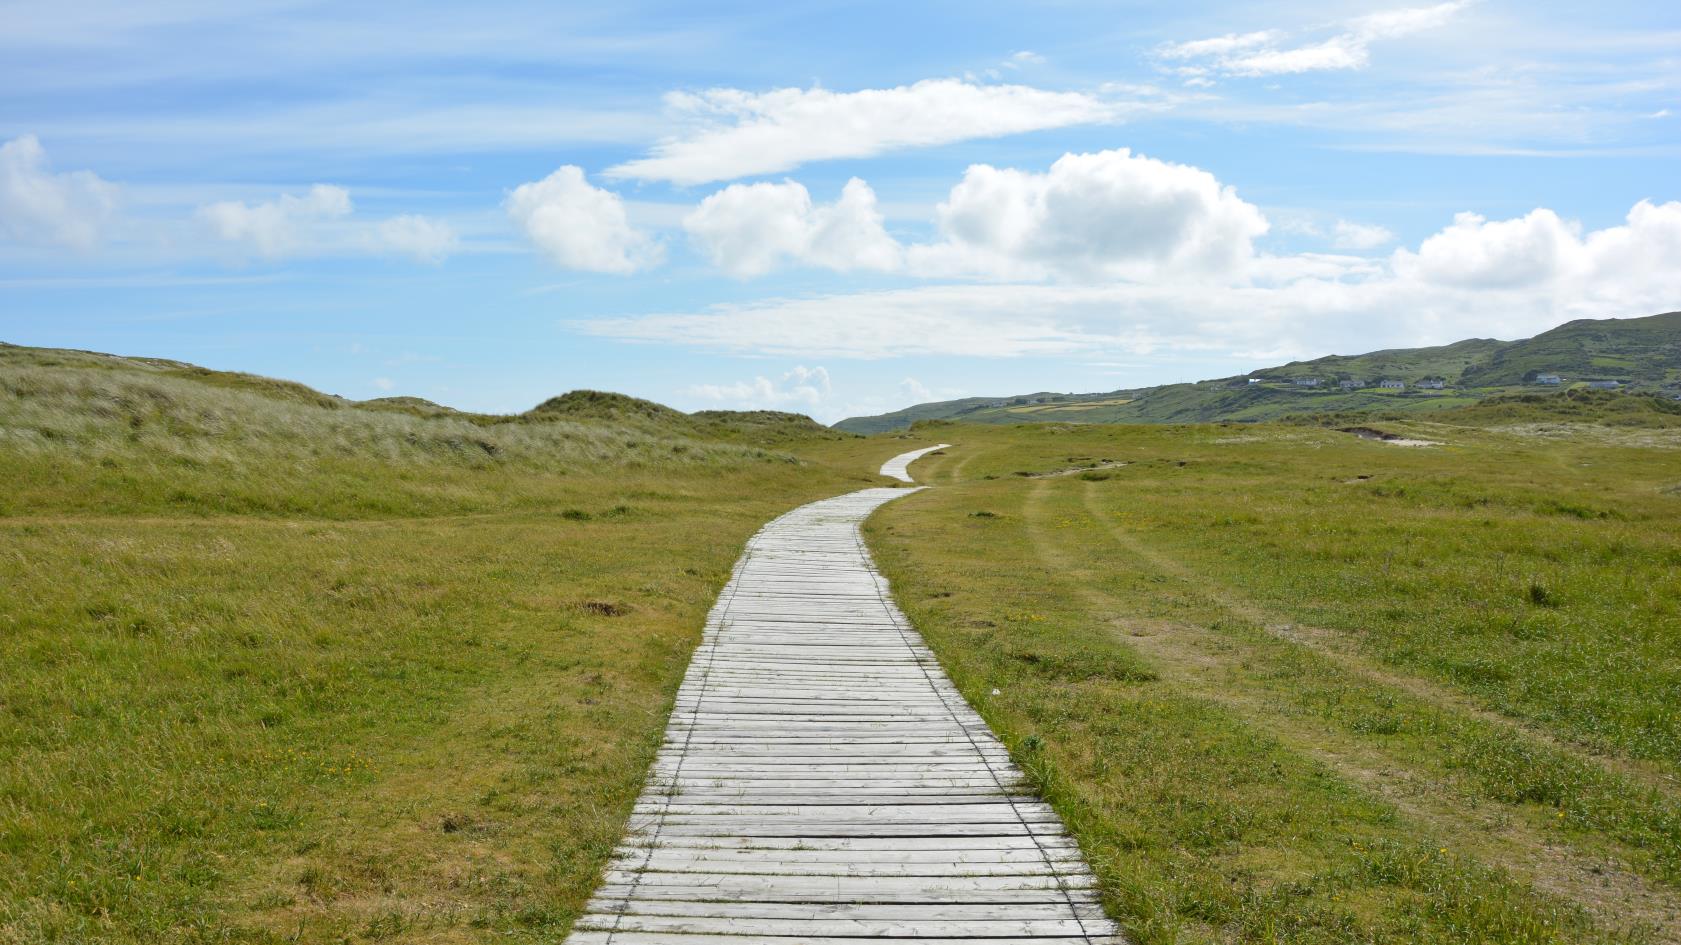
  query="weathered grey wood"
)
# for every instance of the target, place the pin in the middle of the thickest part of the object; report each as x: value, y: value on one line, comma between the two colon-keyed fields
x: 821, y: 781
x: 899, y: 466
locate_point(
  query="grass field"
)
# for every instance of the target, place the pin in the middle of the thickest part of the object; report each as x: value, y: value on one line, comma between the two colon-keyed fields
x: 286, y: 670
x: 1287, y: 684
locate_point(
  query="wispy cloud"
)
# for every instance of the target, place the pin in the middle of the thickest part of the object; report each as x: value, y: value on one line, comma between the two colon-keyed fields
x: 734, y: 133
x: 276, y: 227
x: 1267, y: 52
x: 801, y: 387
x: 317, y: 222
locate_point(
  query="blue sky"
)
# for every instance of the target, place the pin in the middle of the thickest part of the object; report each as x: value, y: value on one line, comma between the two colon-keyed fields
x: 833, y: 208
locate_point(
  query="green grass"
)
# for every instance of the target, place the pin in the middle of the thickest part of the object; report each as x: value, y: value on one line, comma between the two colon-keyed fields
x: 286, y: 667
x: 282, y: 668
x: 1287, y: 684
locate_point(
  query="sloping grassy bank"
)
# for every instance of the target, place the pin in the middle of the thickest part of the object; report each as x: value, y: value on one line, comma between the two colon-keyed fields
x: 281, y: 668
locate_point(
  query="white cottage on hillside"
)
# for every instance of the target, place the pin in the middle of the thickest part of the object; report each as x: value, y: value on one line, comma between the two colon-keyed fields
x: 1392, y: 385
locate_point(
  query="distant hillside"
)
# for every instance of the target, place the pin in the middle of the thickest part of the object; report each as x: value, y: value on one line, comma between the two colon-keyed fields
x: 1641, y: 354
x: 1645, y: 352
x: 1610, y: 408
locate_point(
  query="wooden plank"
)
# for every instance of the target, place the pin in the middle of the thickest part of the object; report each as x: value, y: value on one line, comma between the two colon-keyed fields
x: 821, y: 781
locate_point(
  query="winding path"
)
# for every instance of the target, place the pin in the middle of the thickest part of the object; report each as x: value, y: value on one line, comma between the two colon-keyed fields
x: 822, y: 782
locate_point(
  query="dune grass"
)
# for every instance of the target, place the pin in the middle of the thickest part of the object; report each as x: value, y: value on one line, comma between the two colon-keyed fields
x: 1290, y: 685
x: 282, y: 668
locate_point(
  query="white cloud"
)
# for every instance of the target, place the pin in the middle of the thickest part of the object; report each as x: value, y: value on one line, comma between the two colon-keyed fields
x: 1348, y: 235
x: 1107, y: 214
x: 915, y: 391
x: 749, y: 229
x: 1475, y: 252
x: 383, y: 383
x: 1508, y: 279
x: 38, y: 206
x: 1394, y: 24
x: 424, y: 238
x: 279, y: 227
x: 1636, y: 265
x: 580, y: 226
x: 1089, y: 216
x: 1338, y: 52
x: 1023, y: 57
x: 318, y: 222
x: 739, y: 134
x: 1263, y: 53
x: 802, y: 387
x: 1218, y: 46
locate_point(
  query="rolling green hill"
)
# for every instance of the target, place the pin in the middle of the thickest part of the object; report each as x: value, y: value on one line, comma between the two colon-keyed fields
x: 1642, y: 354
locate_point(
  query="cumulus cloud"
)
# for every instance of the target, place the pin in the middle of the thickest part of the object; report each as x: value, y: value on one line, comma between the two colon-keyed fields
x: 1110, y: 214
x: 749, y: 229
x: 580, y: 226
x: 1265, y: 53
x: 1475, y: 252
x: 72, y: 208
x: 1507, y: 278
x: 1639, y: 261
x: 1106, y: 214
x: 800, y: 387
x: 278, y: 227
x: 424, y: 238
x: 736, y: 134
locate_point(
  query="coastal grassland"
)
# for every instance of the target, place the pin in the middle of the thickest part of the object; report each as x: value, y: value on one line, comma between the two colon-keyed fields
x: 282, y: 668
x: 1285, y: 683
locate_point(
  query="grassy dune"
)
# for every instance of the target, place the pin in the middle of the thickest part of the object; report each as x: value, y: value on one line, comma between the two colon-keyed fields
x: 1289, y: 684
x: 282, y: 667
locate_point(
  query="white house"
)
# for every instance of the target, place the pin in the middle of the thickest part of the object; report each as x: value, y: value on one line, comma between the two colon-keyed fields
x: 1604, y: 385
x: 1392, y: 385
x: 1349, y: 385
x: 1552, y: 380
x: 1434, y: 383
x: 1307, y: 382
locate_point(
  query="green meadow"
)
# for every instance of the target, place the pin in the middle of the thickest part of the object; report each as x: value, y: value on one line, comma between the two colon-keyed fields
x: 285, y: 667
x: 1289, y: 684
x: 282, y: 668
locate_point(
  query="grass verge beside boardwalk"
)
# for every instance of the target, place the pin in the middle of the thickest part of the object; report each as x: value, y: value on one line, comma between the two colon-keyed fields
x: 1231, y: 664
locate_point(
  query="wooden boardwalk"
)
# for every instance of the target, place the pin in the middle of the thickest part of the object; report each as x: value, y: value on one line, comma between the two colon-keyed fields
x: 822, y: 782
